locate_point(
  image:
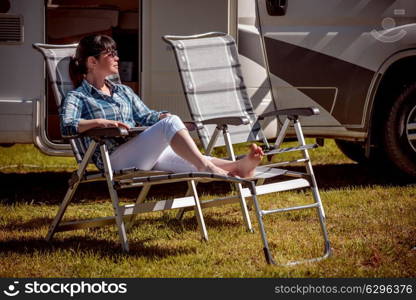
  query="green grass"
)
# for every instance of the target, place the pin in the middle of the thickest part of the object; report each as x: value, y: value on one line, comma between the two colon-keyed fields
x: 371, y: 220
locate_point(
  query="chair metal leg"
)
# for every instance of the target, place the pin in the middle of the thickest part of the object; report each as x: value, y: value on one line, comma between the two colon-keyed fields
x: 243, y: 203
x: 198, y: 212
x: 140, y: 198
x: 320, y: 210
x: 71, y: 191
x: 327, y: 251
x: 244, y: 208
x: 181, y: 212
x: 67, y: 199
x: 309, y: 169
x: 114, y: 198
x: 266, y: 250
x: 250, y: 201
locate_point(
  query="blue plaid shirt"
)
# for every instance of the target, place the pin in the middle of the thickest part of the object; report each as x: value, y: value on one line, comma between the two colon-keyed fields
x: 86, y: 102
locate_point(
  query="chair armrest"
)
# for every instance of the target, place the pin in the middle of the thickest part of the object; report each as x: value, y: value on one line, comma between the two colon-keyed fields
x: 227, y: 121
x: 109, y: 132
x: 136, y: 130
x: 105, y: 132
x: 293, y: 112
x: 193, y: 125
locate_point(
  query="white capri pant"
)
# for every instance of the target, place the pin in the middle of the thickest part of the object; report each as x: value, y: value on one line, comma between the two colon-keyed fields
x: 151, y: 149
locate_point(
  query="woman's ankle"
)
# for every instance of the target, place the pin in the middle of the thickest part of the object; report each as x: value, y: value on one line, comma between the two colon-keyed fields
x: 203, y: 165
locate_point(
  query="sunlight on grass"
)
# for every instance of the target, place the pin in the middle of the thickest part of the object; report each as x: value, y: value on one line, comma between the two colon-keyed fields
x: 366, y: 240
x: 27, y: 158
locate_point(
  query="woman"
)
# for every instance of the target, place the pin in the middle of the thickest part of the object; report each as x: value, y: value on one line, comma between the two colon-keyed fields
x: 166, y: 145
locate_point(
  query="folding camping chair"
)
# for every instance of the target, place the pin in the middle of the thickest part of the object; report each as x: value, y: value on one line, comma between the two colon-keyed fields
x: 57, y: 63
x: 218, y: 102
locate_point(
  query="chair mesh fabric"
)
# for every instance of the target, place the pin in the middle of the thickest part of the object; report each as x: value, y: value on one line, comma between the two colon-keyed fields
x: 57, y: 65
x: 57, y: 60
x: 214, y: 86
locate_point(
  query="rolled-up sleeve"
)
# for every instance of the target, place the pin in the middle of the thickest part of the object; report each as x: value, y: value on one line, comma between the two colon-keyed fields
x: 70, y: 114
x: 141, y: 113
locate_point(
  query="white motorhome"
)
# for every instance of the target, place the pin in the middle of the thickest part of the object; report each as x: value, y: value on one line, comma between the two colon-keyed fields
x: 354, y: 59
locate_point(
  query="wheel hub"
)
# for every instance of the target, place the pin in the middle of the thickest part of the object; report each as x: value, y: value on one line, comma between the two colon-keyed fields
x: 411, y: 128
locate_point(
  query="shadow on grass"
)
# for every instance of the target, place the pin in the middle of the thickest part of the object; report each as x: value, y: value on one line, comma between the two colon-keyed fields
x: 104, y: 247
x: 101, y: 247
x: 188, y: 223
x: 33, y: 224
x: 357, y: 175
x: 50, y: 187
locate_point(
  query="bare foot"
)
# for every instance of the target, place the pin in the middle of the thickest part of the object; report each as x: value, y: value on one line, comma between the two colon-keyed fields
x: 211, y: 168
x: 247, y: 166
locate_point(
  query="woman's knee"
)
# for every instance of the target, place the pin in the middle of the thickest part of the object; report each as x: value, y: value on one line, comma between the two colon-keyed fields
x: 172, y: 124
x: 172, y: 119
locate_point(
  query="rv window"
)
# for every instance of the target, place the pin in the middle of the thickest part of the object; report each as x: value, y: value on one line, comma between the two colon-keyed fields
x: 276, y: 7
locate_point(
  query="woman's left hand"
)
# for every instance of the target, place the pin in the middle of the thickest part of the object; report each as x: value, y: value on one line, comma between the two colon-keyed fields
x: 164, y: 115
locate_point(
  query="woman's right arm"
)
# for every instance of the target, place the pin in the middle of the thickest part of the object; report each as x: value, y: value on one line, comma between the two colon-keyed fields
x: 85, y: 125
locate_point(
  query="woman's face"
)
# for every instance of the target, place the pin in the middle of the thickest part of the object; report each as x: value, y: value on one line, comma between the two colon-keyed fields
x: 105, y: 64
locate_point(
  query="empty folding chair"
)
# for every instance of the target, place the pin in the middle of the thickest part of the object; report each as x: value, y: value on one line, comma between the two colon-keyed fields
x: 57, y: 63
x: 218, y: 102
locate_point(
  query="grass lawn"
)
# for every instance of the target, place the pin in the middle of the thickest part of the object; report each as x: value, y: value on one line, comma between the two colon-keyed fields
x: 371, y: 220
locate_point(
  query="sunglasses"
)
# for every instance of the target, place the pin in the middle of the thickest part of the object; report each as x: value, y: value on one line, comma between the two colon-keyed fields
x: 112, y: 53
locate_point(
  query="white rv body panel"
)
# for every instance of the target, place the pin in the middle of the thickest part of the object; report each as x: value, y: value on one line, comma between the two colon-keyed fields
x: 22, y: 81
x: 333, y: 50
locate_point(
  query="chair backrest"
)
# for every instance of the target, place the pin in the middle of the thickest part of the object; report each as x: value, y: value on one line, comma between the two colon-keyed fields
x: 213, y: 84
x: 57, y: 59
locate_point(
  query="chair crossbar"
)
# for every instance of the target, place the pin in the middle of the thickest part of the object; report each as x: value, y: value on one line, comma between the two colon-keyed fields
x: 131, y: 183
x: 260, y: 190
x: 291, y: 149
x: 120, y: 177
x: 127, y: 211
x: 285, y: 150
x: 291, y: 162
x: 297, y: 174
x: 278, y: 187
x: 286, y: 209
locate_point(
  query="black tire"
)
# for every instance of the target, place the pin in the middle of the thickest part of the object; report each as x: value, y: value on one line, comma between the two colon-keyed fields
x: 7, y: 145
x: 400, y: 149
x: 353, y: 150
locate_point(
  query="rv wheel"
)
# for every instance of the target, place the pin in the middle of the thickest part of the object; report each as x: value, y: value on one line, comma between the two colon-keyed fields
x: 400, y: 131
x: 353, y: 150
